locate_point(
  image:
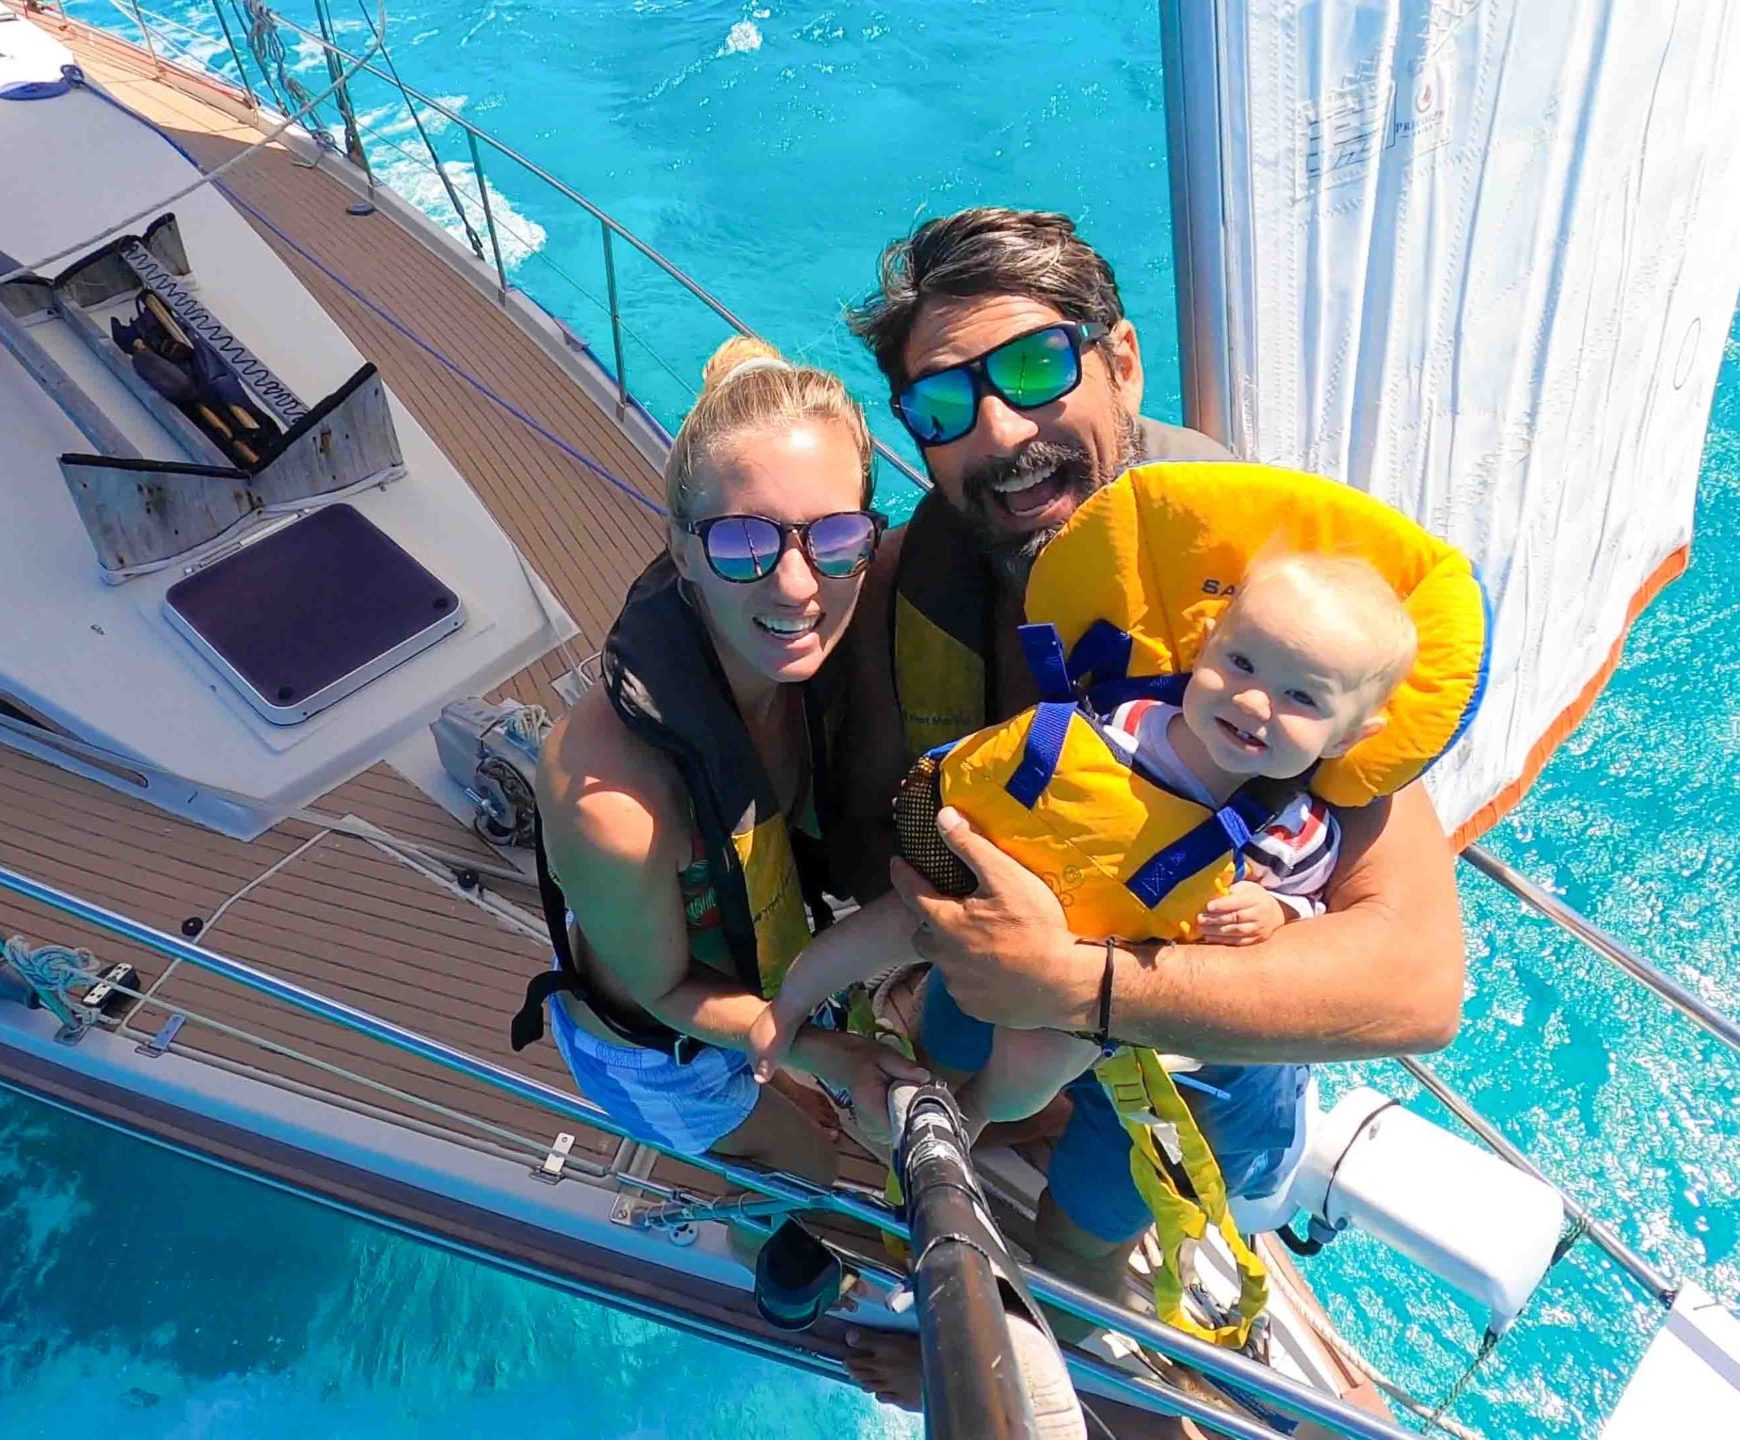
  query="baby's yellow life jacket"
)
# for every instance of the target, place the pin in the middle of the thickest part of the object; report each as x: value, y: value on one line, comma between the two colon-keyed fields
x: 1116, y: 609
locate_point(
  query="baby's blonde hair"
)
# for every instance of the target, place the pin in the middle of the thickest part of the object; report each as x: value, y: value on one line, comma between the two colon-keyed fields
x: 1362, y: 600
x: 748, y: 386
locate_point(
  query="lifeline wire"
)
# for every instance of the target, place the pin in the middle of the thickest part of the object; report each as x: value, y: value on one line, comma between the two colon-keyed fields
x: 289, y: 1052
x: 76, y: 76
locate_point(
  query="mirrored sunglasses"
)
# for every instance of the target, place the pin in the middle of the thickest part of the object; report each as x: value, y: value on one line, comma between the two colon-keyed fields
x: 746, y: 548
x: 1025, y: 373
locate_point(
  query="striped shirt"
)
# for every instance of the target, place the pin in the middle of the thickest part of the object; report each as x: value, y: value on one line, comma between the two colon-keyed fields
x: 1292, y: 857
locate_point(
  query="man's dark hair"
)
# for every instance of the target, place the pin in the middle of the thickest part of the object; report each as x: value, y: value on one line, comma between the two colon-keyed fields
x: 983, y: 251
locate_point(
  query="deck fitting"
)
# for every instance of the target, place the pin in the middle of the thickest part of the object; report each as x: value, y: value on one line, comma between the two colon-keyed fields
x: 163, y: 1039
x: 550, y: 1172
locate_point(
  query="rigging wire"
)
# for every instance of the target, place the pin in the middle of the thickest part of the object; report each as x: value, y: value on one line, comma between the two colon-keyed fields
x: 513, y: 1139
x: 206, y: 177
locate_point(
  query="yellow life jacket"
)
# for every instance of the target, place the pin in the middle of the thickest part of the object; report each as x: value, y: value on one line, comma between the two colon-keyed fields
x: 1117, y: 606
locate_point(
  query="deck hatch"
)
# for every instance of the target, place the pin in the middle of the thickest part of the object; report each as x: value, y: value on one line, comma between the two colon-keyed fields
x: 303, y: 617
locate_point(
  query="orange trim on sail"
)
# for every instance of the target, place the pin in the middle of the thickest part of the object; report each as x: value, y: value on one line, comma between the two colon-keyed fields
x: 1572, y: 715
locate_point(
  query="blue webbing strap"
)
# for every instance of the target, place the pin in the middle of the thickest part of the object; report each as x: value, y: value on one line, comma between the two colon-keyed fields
x: 1043, y: 649
x: 1190, y: 852
x: 1105, y: 697
x: 1249, y: 809
x: 1102, y: 652
x: 1044, y: 749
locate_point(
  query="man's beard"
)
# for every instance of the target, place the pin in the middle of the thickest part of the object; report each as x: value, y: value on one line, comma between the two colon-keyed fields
x: 1012, y: 556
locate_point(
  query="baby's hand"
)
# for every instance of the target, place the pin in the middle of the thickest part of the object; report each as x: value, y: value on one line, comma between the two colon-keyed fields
x: 1246, y: 915
x: 770, y: 1036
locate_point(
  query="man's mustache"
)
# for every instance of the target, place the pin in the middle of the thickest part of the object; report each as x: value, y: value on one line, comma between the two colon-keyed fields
x: 1040, y: 457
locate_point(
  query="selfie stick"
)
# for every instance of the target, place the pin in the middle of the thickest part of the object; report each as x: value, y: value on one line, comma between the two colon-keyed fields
x: 991, y: 1368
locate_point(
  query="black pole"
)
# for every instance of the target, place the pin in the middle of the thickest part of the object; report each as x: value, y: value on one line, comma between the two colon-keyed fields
x: 973, y: 1386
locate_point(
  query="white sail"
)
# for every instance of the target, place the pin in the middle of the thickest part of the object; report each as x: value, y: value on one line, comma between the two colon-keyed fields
x: 1479, y: 258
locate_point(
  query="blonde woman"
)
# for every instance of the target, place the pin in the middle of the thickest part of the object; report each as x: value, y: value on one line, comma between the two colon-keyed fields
x: 683, y: 800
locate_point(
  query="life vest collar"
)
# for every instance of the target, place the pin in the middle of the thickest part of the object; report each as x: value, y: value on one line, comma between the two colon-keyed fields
x: 1133, y: 580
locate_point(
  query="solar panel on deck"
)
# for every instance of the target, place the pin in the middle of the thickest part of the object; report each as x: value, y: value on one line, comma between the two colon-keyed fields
x: 312, y: 612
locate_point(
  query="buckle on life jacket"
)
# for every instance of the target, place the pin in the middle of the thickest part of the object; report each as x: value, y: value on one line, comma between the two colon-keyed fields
x: 527, y: 1025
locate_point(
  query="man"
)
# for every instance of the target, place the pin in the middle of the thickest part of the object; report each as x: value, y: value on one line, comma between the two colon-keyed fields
x: 1004, y: 342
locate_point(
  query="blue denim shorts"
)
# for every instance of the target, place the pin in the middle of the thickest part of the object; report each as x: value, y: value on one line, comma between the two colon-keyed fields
x: 1250, y: 1131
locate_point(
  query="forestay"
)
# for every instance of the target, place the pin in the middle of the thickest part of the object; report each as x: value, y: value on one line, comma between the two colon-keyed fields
x: 1476, y: 257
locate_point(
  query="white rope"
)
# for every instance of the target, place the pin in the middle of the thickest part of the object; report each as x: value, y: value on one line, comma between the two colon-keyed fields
x: 259, y: 879
x: 505, y: 911
x: 207, y: 177
x: 361, y: 829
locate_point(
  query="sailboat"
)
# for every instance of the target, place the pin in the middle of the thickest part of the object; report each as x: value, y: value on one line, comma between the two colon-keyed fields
x: 258, y: 879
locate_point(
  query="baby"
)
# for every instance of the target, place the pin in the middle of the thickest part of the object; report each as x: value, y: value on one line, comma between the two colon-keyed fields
x: 1297, y: 669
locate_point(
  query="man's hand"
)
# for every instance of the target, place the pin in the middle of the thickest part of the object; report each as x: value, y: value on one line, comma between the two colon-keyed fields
x: 880, y: 1067
x: 1005, y: 951
x: 1246, y: 915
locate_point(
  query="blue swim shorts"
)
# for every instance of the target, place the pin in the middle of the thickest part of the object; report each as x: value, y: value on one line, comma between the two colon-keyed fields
x: 1251, y: 1131
x: 679, y: 1107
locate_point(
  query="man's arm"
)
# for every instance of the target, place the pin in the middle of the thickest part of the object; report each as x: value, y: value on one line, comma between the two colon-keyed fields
x: 1380, y: 974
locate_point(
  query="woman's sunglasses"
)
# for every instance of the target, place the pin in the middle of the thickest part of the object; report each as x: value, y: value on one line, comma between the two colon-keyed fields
x: 746, y: 548
x: 1024, y: 373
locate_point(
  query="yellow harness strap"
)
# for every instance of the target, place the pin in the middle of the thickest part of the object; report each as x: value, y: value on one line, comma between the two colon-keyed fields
x: 1152, y: 1112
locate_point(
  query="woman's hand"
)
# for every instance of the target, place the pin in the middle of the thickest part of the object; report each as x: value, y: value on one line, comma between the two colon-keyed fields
x: 1005, y: 951
x: 878, y: 1068
x: 1246, y: 915
x: 770, y: 1038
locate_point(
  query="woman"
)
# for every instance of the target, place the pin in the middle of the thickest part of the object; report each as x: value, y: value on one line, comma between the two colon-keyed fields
x: 680, y: 800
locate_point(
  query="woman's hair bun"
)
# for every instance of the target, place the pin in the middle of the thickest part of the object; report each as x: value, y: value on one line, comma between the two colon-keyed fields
x: 738, y: 353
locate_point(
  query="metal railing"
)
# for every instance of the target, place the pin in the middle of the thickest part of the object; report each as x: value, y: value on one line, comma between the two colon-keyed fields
x: 611, y: 231
x: 1225, y: 1366
x: 785, y: 1193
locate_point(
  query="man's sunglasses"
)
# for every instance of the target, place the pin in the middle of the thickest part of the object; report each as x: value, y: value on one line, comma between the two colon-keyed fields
x: 746, y: 548
x: 1024, y: 373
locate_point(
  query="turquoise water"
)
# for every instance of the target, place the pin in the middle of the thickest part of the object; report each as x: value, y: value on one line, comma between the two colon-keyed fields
x: 770, y: 150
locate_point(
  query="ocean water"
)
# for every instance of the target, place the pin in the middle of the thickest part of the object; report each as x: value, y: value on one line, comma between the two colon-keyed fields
x: 769, y: 149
